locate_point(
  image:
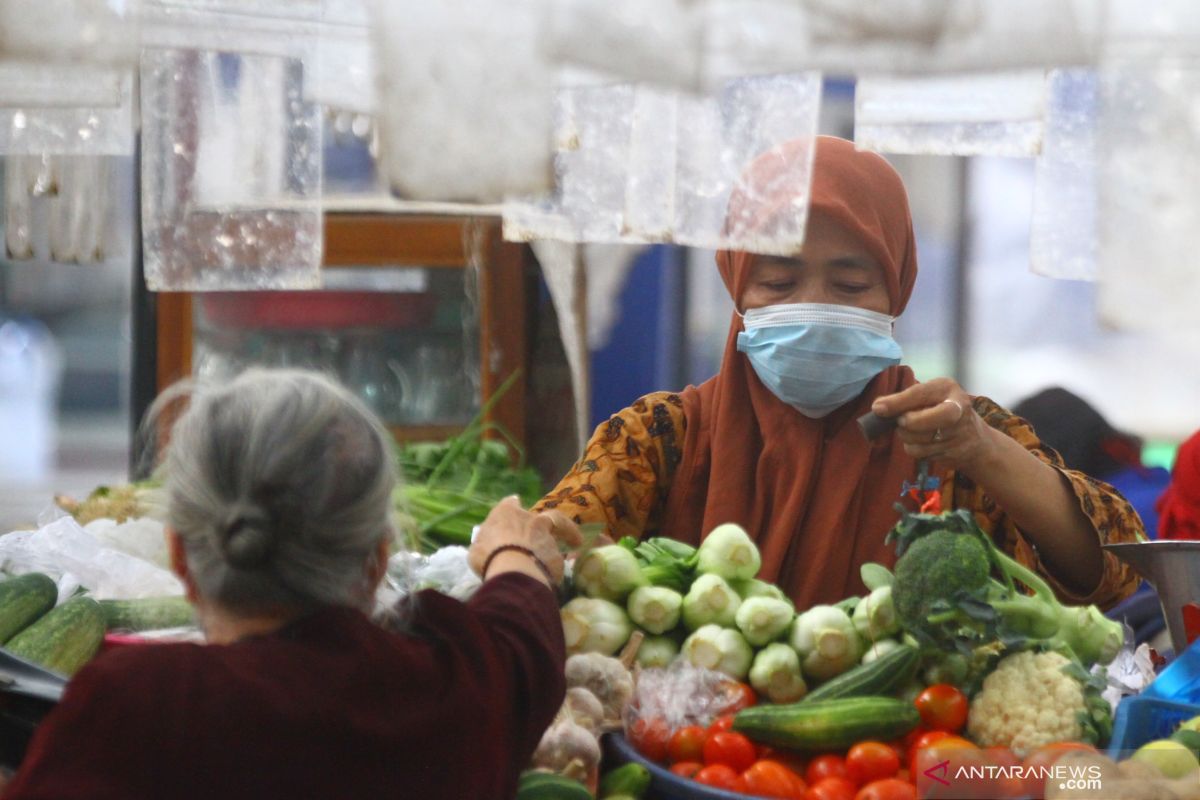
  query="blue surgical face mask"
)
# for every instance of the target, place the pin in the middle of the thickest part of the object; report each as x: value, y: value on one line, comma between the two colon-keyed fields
x: 816, y: 356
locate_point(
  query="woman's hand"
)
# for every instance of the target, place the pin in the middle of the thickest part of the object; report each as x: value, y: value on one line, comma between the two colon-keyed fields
x: 935, y: 421
x: 509, y: 524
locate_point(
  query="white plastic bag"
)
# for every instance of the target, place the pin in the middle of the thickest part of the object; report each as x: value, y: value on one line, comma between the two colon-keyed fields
x: 73, y: 557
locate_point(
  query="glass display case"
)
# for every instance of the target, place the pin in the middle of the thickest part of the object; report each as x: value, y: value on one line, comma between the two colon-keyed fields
x: 422, y: 316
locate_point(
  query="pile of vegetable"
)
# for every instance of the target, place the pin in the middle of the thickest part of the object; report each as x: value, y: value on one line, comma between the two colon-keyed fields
x: 120, y: 503
x: 448, y: 488
x: 962, y: 651
x: 62, y: 637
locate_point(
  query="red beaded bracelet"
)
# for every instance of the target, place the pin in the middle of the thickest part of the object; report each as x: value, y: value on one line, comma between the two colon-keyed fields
x: 516, y: 548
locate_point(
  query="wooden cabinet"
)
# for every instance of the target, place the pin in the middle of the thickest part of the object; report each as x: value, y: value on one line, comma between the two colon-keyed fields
x: 506, y: 286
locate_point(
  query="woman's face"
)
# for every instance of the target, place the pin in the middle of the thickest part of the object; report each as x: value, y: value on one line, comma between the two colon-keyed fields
x: 832, y: 267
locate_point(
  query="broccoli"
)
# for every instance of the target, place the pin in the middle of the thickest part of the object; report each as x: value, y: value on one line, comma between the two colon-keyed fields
x: 940, y: 566
x: 944, y: 593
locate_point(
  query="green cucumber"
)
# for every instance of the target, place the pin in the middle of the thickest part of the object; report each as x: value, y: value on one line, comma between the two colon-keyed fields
x: 883, y: 676
x: 63, y: 640
x: 827, y: 724
x: 631, y: 779
x: 147, y: 613
x: 22, y: 600
x: 535, y: 785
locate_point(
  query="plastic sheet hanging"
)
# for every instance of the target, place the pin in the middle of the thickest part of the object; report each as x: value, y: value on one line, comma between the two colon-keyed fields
x: 54, y: 125
x: 1148, y: 202
x: 1063, y: 235
x: 638, y: 165
x: 465, y: 98
x: 231, y: 173
x: 994, y: 114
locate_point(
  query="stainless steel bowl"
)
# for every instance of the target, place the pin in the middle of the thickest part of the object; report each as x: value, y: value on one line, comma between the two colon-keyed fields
x: 1174, y: 569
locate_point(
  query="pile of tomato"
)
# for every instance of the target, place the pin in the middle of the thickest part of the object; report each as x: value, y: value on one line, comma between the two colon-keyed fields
x: 906, y: 769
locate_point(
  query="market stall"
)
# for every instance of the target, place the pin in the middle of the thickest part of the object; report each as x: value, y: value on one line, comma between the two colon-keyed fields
x: 959, y: 671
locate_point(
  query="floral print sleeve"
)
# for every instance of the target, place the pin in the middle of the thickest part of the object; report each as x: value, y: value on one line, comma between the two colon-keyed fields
x: 626, y: 470
x: 1113, y: 519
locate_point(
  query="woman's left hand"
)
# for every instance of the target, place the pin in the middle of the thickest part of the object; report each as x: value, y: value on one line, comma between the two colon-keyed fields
x: 936, y: 421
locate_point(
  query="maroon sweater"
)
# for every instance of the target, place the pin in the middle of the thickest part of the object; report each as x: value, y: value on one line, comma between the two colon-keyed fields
x: 332, y: 706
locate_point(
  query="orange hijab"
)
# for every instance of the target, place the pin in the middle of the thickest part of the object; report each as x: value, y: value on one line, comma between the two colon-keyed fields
x: 814, y: 494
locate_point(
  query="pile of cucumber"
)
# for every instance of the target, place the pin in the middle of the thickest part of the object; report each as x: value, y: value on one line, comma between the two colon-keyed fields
x: 63, y: 637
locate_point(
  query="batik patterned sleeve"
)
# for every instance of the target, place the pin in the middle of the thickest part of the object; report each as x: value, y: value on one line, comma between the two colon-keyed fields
x: 626, y: 470
x: 1111, y: 516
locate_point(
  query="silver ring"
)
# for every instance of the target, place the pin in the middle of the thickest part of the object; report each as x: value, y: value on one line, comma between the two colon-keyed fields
x: 937, y: 435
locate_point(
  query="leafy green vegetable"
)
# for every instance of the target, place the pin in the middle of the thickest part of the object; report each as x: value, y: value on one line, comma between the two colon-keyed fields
x: 945, y: 595
x: 449, y: 487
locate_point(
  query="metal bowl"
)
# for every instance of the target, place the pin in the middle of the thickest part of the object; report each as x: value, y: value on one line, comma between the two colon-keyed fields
x: 1174, y: 569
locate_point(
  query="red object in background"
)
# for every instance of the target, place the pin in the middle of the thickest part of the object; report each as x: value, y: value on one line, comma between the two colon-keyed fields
x: 319, y: 310
x: 1191, y: 622
x: 1179, y: 506
x: 112, y: 640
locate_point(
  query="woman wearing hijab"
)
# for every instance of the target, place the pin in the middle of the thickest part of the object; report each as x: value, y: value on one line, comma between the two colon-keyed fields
x: 771, y: 442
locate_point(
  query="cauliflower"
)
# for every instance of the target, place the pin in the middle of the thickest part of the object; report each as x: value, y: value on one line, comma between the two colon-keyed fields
x: 1028, y: 701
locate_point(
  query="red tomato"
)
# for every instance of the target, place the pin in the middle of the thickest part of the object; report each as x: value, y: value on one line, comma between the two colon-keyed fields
x: 738, y: 695
x: 687, y: 769
x: 887, y: 789
x: 935, y: 769
x: 831, y: 789
x: 826, y: 766
x: 789, y: 758
x: 650, y: 736
x: 1040, y: 760
x: 926, y: 741
x: 729, y: 748
x: 720, y: 776
x: 871, y: 761
x: 910, y: 739
x: 721, y: 723
x: 942, y: 707
x: 766, y: 778
x: 687, y: 744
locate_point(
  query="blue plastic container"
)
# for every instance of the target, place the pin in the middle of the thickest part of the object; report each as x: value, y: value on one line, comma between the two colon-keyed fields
x: 1143, y: 719
x: 1180, y: 681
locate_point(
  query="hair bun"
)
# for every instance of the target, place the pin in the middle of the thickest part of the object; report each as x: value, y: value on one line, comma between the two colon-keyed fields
x: 248, y: 538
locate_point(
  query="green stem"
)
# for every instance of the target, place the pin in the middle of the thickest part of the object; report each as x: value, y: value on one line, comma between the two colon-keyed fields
x: 474, y: 429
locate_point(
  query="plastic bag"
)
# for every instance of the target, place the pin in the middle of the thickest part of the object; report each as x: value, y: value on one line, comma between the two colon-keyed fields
x: 445, y: 570
x: 1128, y: 674
x: 141, y: 537
x: 75, y: 558
x: 680, y: 695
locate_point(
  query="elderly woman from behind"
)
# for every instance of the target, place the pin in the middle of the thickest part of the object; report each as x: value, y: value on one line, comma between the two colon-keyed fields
x: 278, y: 489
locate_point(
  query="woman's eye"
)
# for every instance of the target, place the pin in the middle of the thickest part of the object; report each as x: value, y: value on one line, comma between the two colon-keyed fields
x: 853, y: 288
x: 779, y: 286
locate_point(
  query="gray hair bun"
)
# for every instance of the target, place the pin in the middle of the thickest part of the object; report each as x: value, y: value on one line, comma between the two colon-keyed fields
x: 248, y: 538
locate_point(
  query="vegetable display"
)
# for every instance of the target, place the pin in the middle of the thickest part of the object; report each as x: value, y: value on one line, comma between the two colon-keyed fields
x: 448, y: 488
x: 961, y: 654
x: 64, y: 639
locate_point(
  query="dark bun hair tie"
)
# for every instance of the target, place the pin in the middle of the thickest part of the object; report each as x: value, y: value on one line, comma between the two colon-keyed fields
x: 248, y: 538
